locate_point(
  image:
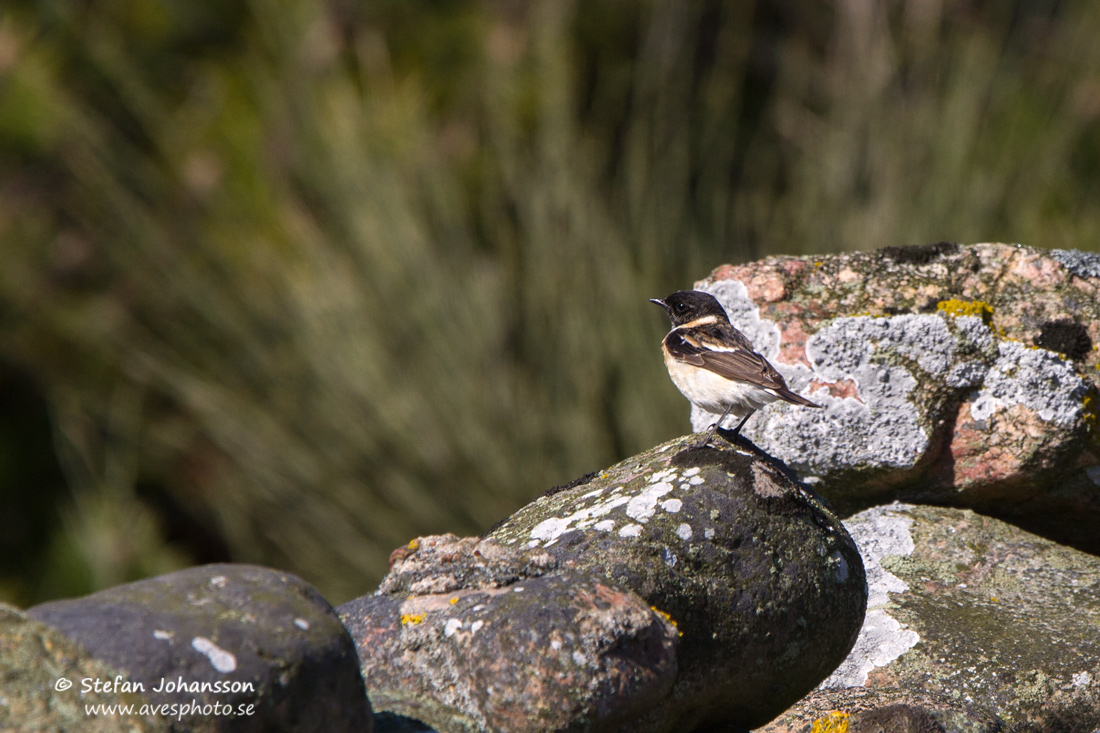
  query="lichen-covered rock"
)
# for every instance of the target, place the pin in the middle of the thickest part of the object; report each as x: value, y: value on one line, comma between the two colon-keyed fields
x: 962, y: 375
x: 42, y: 688
x: 760, y: 577
x: 253, y: 636
x: 973, y: 617
x: 469, y: 635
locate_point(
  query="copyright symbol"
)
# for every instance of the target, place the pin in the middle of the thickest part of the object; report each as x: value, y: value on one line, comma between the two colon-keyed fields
x: 62, y: 684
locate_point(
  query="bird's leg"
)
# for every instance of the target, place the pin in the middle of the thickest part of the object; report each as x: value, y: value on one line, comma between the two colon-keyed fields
x: 745, y: 419
x: 709, y: 432
x: 733, y: 435
x: 718, y: 423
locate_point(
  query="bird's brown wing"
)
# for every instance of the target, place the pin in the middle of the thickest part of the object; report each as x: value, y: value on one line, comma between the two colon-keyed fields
x: 724, y: 350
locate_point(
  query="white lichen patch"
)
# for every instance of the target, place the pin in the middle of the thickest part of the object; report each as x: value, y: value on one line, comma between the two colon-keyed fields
x: 220, y: 659
x: 452, y: 626
x: 672, y: 506
x: 641, y: 507
x: 684, y: 532
x: 1081, y: 264
x: 878, y: 532
x: 983, y: 406
x: 631, y: 530
x: 880, y: 425
x: 1038, y: 379
x: 605, y: 526
x: 549, y: 530
x: 476, y: 626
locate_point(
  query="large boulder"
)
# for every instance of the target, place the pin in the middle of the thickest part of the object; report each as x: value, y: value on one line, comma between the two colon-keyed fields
x: 686, y: 587
x: 233, y: 647
x: 470, y: 635
x: 49, y: 683
x: 961, y: 375
x: 973, y: 623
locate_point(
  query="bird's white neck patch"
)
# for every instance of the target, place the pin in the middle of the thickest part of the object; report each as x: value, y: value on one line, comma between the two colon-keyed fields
x: 704, y: 321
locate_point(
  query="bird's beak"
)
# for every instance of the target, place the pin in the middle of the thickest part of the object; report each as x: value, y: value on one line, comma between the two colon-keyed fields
x: 659, y: 302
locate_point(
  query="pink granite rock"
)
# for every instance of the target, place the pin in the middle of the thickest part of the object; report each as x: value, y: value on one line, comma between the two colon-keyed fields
x: 962, y: 375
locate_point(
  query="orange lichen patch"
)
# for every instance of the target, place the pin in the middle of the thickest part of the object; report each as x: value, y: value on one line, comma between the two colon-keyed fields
x: 841, y: 388
x: 834, y: 722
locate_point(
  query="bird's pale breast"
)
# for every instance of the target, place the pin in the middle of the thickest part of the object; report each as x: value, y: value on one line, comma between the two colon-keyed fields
x: 714, y: 393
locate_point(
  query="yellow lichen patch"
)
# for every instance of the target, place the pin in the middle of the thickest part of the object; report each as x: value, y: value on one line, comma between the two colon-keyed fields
x: 1090, y: 411
x: 454, y: 601
x: 413, y: 545
x: 978, y: 308
x: 834, y: 722
x: 668, y: 618
x: 412, y: 618
x: 662, y: 613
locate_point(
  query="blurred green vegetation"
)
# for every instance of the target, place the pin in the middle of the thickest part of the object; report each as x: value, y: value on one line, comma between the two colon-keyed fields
x: 292, y: 282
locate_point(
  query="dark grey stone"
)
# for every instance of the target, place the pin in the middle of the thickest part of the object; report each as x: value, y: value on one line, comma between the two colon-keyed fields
x: 259, y: 637
x: 760, y: 577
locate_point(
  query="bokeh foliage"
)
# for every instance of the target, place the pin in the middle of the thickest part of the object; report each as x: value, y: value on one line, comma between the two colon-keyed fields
x: 299, y: 281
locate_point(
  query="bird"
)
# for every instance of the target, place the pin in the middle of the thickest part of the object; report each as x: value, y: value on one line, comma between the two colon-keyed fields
x: 714, y: 365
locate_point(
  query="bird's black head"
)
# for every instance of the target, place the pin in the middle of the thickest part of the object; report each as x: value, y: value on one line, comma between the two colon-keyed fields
x: 685, y: 306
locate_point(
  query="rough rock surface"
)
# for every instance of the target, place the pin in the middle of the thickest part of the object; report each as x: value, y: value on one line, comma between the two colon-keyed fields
x: 259, y: 636
x: 469, y: 635
x: 971, y: 620
x: 760, y: 577
x: 962, y: 375
x: 34, y: 659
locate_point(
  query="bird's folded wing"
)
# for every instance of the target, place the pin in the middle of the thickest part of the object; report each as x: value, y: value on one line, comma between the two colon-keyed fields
x: 739, y: 362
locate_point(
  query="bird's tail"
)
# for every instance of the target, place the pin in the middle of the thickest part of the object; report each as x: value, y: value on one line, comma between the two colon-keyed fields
x: 794, y: 398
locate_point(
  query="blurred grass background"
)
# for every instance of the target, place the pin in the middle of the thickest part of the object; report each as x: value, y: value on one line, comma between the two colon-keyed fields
x: 292, y: 282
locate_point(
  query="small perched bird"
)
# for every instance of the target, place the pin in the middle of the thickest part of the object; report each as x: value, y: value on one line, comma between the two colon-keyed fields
x: 714, y: 365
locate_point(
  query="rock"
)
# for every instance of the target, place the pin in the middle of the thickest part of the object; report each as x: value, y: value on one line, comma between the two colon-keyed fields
x: 885, y: 710
x: 960, y: 375
x: 470, y: 635
x: 38, y: 663
x: 972, y: 620
x: 760, y: 577
x: 257, y: 637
